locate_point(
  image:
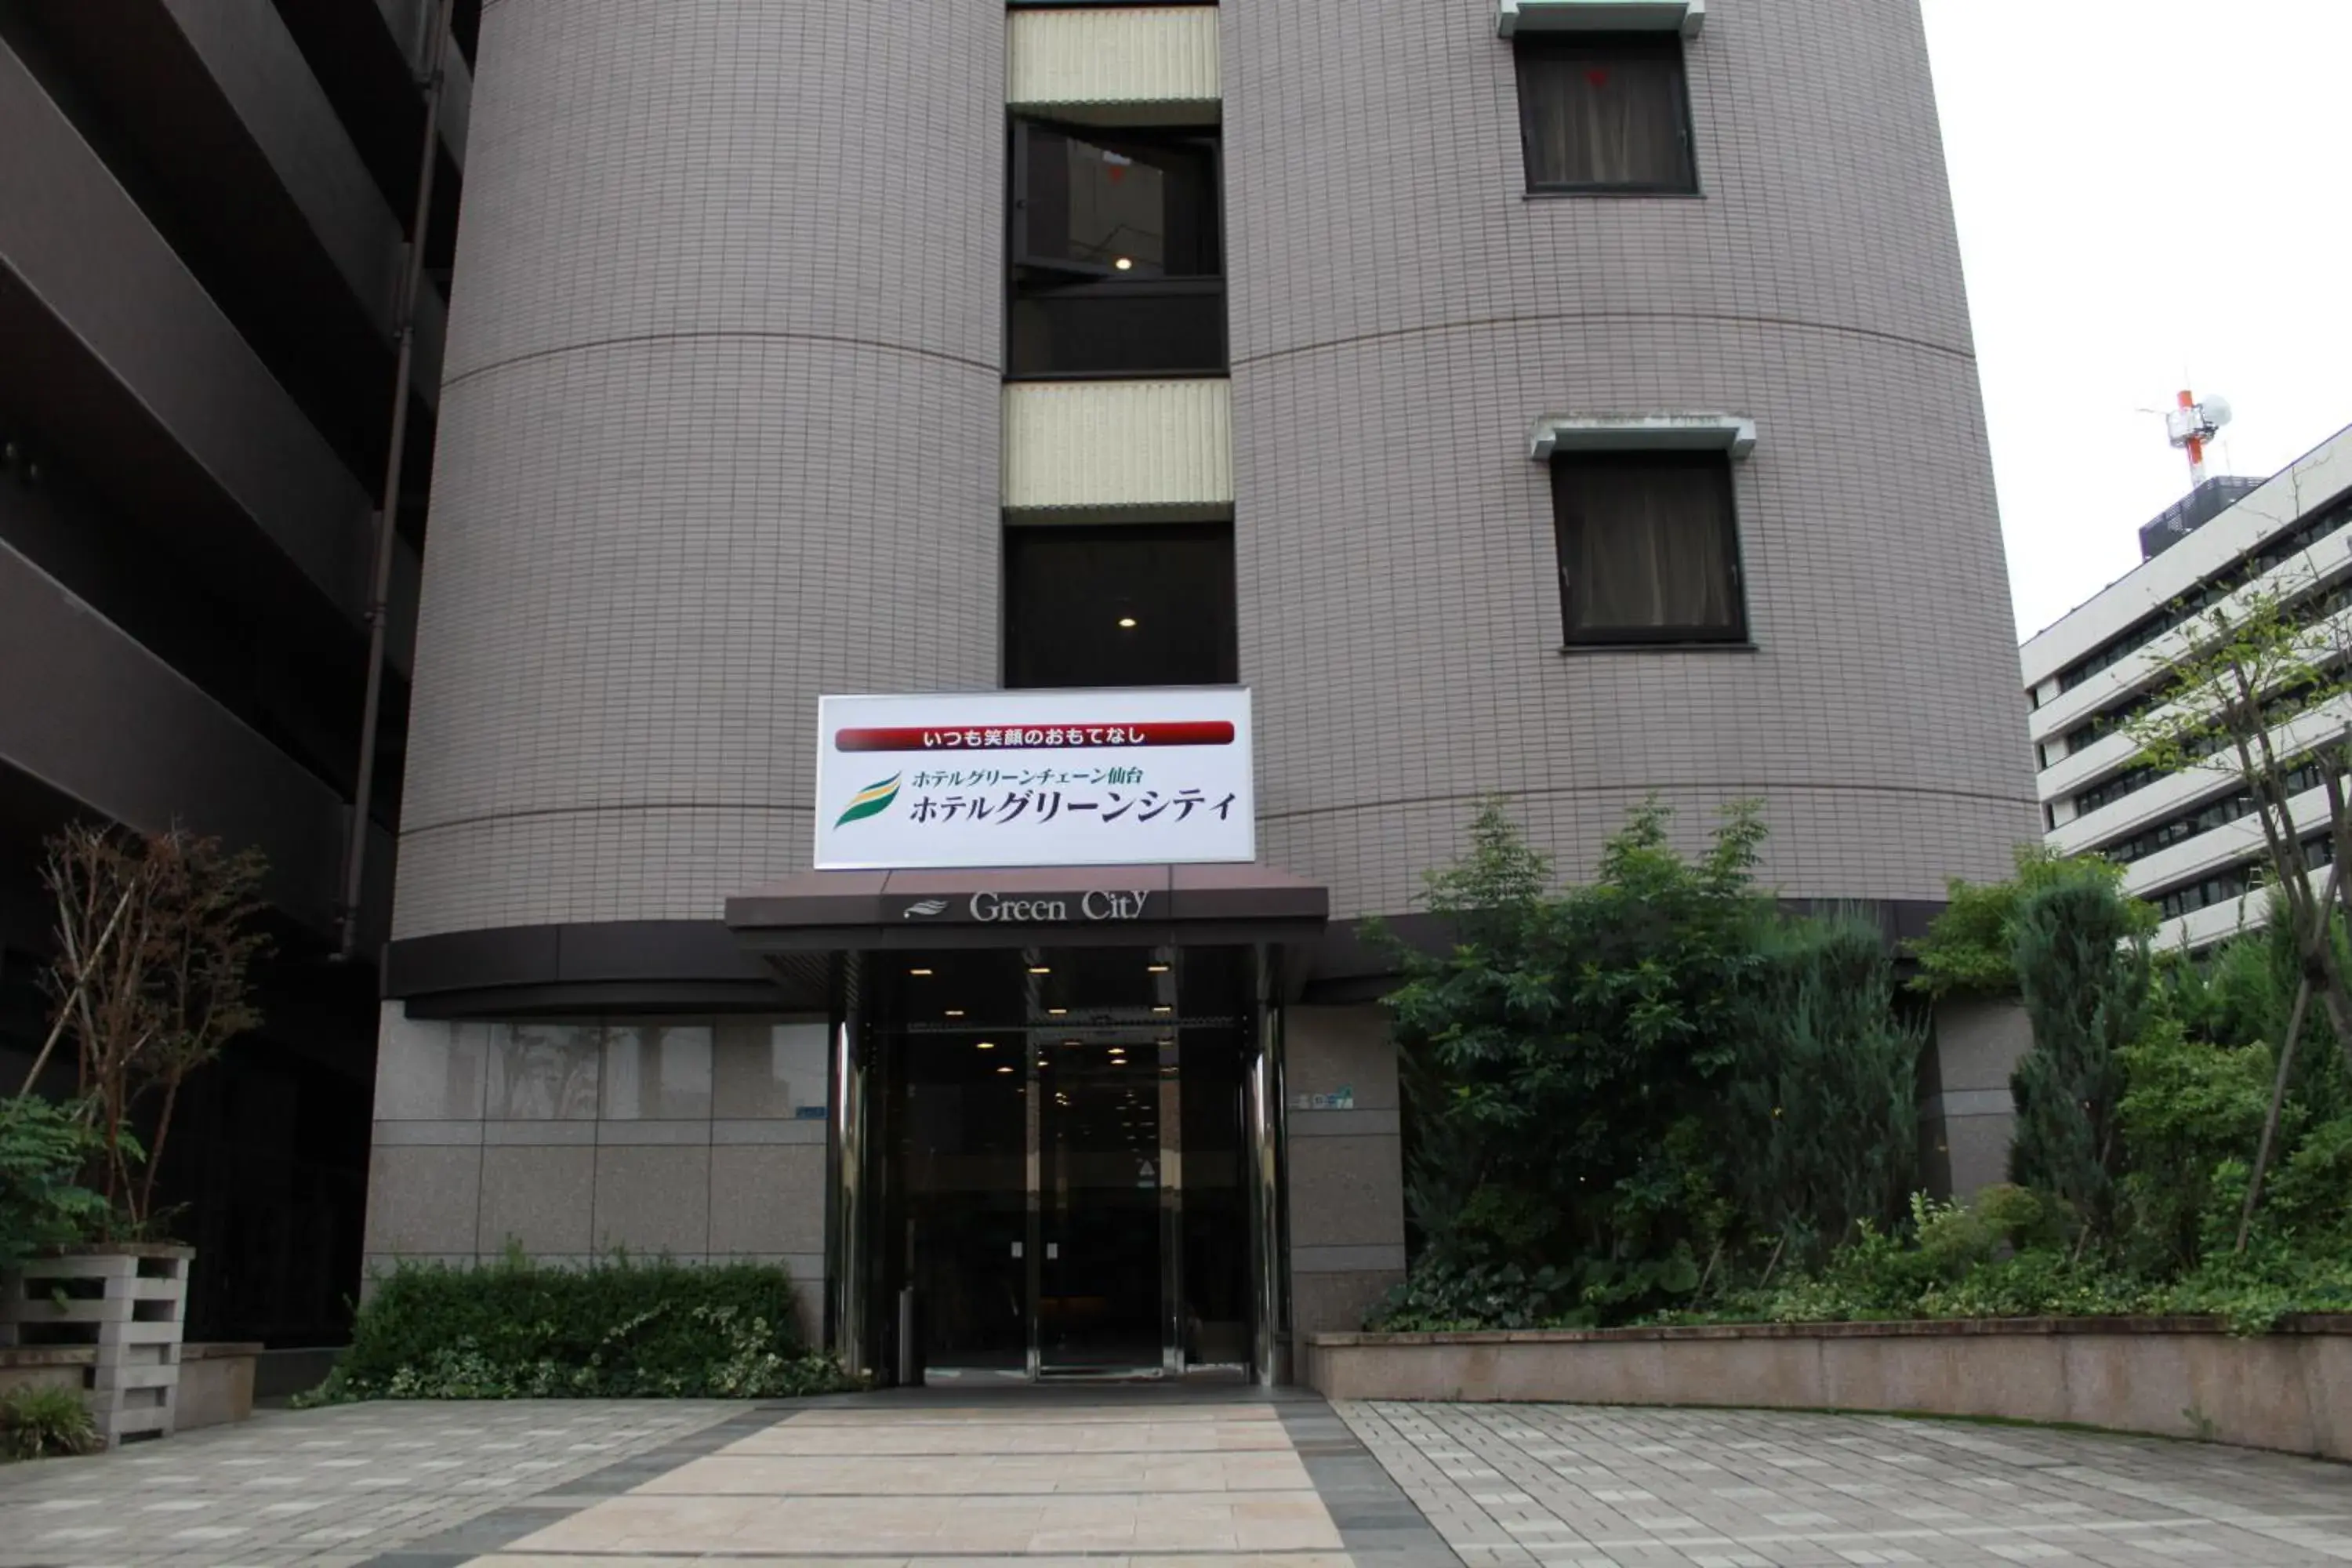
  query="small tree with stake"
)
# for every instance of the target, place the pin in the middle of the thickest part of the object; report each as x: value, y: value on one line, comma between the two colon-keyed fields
x: 155, y: 943
x: 2264, y: 664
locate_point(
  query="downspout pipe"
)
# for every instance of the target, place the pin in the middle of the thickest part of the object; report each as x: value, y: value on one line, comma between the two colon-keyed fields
x: 387, y: 528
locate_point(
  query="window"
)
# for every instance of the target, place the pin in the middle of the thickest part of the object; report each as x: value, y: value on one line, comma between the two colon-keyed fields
x: 1120, y: 605
x: 1117, y: 263
x: 1648, y: 548
x: 1605, y: 112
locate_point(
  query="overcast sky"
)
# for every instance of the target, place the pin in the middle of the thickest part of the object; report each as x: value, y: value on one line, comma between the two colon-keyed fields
x: 2146, y: 191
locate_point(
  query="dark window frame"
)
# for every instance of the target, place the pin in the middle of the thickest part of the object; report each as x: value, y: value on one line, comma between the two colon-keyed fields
x: 1567, y: 537
x: 1204, y: 140
x: 1027, y: 279
x: 1220, y: 617
x: 1576, y: 47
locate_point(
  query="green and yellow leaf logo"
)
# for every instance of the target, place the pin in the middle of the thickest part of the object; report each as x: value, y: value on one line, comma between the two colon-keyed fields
x: 872, y: 801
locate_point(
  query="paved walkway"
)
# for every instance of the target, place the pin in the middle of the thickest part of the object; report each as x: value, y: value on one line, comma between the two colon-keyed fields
x: 1587, y: 1487
x: 324, y: 1487
x: 1159, y: 1479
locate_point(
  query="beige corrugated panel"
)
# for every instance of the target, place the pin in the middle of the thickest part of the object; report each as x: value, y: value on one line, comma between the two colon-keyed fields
x: 1116, y: 55
x: 1118, y: 444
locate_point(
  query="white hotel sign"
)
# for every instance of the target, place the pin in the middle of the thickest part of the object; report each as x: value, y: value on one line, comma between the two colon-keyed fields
x: 1034, y: 778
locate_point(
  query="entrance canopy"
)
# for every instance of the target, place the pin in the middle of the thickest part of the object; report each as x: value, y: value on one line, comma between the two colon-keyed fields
x: 1081, y: 906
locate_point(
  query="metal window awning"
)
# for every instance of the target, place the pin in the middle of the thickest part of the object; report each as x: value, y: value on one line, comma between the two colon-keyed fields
x: 1558, y: 433
x: 1513, y: 17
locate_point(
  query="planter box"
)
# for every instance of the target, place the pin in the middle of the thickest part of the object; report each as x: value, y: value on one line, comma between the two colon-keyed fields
x: 2174, y: 1377
x: 125, y: 1304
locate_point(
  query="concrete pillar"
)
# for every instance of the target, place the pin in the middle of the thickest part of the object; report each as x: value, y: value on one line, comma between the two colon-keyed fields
x: 1966, y: 1111
x: 1347, y: 1171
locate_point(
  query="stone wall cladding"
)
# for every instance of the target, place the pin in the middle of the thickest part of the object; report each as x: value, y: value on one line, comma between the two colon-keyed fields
x: 1401, y: 311
x: 719, y: 432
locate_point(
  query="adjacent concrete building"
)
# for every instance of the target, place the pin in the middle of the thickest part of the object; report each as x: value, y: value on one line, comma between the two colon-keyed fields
x: 1570, y: 402
x: 2192, y: 841
x: 205, y: 214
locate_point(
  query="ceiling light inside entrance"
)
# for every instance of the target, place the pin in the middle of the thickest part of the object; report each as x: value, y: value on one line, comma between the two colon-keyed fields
x: 1127, y: 623
x: 988, y: 1045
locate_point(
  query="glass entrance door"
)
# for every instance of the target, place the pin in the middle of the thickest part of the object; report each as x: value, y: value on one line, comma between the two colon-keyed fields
x: 1101, y: 1177
x: 1045, y: 1114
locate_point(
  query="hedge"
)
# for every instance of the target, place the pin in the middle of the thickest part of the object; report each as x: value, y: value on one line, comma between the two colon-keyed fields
x: 623, y: 1329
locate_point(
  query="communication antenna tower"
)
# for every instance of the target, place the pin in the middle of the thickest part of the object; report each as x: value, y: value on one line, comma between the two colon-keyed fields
x: 2193, y: 423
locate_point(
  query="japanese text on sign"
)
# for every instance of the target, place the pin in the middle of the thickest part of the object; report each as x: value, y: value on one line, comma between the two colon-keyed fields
x: 1063, y: 778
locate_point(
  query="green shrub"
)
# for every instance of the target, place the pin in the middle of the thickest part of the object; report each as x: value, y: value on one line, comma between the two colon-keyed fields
x: 43, y: 1147
x: 1660, y: 1098
x: 2188, y: 1108
x: 1971, y: 948
x: 2311, y: 1193
x: 2020, y: 1216
x: 516, y: 1330
x: 38, y: 1422
x: 1480, y: 1296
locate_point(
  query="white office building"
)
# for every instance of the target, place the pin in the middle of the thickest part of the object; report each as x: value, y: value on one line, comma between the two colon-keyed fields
x: 2191, y: 841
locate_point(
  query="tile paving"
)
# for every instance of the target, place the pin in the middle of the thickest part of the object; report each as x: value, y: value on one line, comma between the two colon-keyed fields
x: 1160, y: 1478
x: 324, y: 1487
x: 1579, y: 1487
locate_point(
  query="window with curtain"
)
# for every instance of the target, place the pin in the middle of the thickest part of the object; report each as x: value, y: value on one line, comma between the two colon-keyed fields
x: 1649, y: 550
x: 1605, y: 112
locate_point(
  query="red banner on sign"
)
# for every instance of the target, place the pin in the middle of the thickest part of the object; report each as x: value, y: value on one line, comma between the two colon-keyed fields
x: 1033, y: 737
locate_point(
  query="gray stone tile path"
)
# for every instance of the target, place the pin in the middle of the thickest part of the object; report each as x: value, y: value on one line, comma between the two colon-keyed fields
x: 1160, y: 1478
x: 1588, y: 1488
x: 324, y: 1487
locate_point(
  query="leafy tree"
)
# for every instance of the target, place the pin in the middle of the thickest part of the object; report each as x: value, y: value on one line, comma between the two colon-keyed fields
x: 156, y: 939
x: 2085, y: 972
x: 2243, y: 700
x: 1822, y: 1108
x: 1557, y: 1060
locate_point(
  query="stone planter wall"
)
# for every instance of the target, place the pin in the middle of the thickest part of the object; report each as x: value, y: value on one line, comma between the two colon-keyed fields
x: 2179, y: 1377
x: 216, y: 1381
x: 45, y: 1366
x: 125, y: 1304
x: 216, y: 1384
